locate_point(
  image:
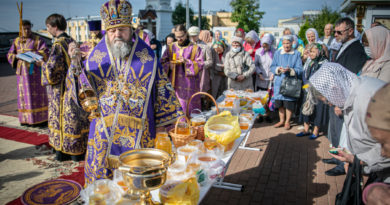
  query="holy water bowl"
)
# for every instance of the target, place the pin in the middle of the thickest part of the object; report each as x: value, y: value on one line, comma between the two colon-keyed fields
x: 144, y: 170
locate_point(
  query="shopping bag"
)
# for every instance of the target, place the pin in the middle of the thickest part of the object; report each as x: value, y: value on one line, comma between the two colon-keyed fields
x: 352, y: 189
x: 224, y: 128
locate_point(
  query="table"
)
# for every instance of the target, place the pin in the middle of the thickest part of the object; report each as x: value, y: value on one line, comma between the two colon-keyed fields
x: 239, y: 143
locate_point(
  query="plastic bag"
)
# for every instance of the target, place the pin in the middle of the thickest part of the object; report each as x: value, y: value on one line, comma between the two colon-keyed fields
x: 224, y: 128
x: 180, y: 193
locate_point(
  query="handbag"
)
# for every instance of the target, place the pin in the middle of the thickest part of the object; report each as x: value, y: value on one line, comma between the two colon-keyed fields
x: 352, y: 188
x: 291, y: 87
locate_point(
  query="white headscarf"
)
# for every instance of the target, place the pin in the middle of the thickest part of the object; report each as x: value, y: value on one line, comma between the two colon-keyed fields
x: 315, y: 33
x: 268, y: 39
x: 253, y: 35
x: 334, y: 82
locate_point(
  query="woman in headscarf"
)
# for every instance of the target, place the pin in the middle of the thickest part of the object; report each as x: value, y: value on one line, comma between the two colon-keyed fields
x: 263, y: 61
x: 286, y: 62
x: 252, y: 43
x: 217, y: 75
x: 316, y: 115
x: 205, y: 36
x: 218, y: 36
x: 378, y: 122
x: 342, y: 88
x: 376, y: 42
x: 297, y: 46
x: 290, y: 31
x: 312, y: 37
x: 240, y: 33
x: 239, y: 67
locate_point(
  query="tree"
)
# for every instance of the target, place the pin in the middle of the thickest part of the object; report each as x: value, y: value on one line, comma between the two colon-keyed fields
x: 205, y: 23
x: 319, y: 22
x: 179, y: 14
x: 246, y: 13
x: 179, y: 17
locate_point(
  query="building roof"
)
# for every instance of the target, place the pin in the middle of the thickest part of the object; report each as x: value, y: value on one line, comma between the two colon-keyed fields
x: 349, y: 5
x: 144, y: 14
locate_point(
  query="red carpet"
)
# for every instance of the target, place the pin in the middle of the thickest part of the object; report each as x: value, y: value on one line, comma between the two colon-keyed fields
x: 23, y: 136
x: 77, y: 176
x: 36, y: 139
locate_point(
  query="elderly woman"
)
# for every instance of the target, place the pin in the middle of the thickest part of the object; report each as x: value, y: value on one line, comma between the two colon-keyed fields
x: 217, y: 75
x: 252, y: 43
x: 290, y: 31
x: 312, y: 37
x: 334, y: 84
x: 376, y: 42
x: 316, y: 115
x: 263, y: 61
x: 286, y: 62
x: 239, y: 33
x: 239, y: 67
x: 378, y: 122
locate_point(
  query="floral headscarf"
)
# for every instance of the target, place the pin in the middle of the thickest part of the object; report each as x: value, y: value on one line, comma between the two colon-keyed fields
x: 334, y: 82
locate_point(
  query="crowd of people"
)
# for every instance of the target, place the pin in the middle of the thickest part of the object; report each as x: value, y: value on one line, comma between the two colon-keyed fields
x: 130, y: 86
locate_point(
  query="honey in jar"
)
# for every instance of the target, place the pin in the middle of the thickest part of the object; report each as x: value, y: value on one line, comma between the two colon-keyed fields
x: 198, y: 121
x: 244, y: 125
x: 164, y: 143
x: 229, y: 103
x: 192, y: 168
x: 210, y: 144
x: 206, y: 159
x: 122, y: 184
x: 183, y: 129
x: 186, y: 151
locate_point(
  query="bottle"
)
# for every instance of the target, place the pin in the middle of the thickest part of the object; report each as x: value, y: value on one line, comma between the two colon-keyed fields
x: 257, y: 107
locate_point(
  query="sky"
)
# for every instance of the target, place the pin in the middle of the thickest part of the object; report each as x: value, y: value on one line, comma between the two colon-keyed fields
x: 38, y: 10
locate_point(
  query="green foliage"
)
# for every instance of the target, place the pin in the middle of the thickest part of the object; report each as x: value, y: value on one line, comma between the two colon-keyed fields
x: 179, y: 14
x: 302, y: 31
x: 205, y: 23
x: 179, y: 17
x: 319, y: 22
x: 246, y: 13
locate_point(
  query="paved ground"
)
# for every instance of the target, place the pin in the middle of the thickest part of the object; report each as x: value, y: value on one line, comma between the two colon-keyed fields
x: 288, y: 170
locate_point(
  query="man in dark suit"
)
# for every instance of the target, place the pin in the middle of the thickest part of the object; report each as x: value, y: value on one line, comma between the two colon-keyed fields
x: 352, y: 56
x: 327, y: 38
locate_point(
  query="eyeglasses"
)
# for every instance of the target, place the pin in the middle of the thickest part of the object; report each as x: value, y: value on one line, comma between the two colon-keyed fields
x: 341, y: 32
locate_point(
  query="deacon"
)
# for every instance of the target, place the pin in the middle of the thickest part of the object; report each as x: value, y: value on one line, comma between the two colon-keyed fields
x: 95, y: 35
x: 183, y: 60
x: 32, y: 96
x: 68, y: 123
x: 135, y: 97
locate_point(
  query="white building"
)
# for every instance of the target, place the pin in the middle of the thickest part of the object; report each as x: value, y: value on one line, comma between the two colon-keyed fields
x: 365, y: 12
x: 164, y: 17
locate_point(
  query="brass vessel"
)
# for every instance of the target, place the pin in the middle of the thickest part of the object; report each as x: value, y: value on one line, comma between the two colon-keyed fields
x: 89, y: 102
x: 144, y: 170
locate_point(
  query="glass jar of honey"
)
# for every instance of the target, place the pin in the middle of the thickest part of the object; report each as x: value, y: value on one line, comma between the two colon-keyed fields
x: 163, y: 143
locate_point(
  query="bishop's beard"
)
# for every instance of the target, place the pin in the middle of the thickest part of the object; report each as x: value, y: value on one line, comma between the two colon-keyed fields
x: 120, y: 48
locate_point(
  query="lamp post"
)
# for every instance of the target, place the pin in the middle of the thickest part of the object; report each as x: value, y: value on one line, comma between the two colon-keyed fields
x: 187, y: 14
x: 200, y: 15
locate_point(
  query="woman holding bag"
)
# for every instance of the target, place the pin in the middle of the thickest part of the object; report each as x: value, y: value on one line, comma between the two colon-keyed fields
x: 287, y: 62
